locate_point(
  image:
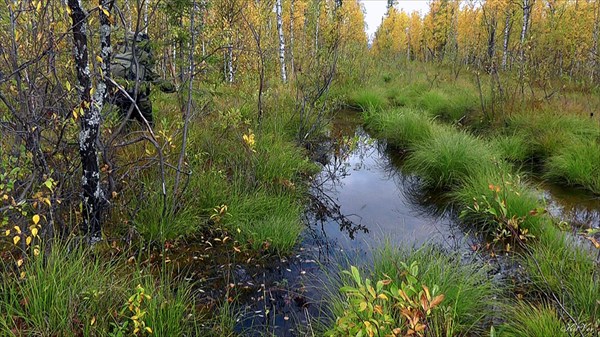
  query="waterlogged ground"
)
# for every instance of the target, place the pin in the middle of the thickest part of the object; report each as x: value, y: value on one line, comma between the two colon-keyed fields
x: 360, y: 200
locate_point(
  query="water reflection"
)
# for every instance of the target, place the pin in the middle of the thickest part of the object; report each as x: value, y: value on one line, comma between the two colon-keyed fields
x: 363, y: 199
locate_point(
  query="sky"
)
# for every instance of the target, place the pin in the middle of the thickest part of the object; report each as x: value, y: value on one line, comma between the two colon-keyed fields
x: 375, y: 10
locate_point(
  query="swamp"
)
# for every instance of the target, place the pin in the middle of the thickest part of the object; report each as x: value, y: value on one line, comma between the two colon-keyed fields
x: 295, y: 168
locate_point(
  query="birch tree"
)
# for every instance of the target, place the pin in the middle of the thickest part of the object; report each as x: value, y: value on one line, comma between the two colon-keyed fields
x: 92, y: 99
x: 278, y: 11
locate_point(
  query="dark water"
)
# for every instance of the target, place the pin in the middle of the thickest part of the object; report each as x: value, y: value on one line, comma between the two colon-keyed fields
x: 360, y: 201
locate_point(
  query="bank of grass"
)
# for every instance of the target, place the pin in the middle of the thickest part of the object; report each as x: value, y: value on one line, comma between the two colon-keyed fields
x: 518, y: 198
x: 525, y: 319
x: 230, y: 160
x: 450, y: 156
x: 565, y: 270
x: 71, y: 292
x: 577, y: 165
x: 469, y: 293
x: 367, y: 99
x: 402, y: 127
x: 270, y: 222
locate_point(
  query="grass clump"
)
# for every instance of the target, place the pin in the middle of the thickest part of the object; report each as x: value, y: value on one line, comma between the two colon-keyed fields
x: 267, y: 221
x: 71, y: 292
x: 449, y: 157
x: 528, y: 320
x: 468, y: 290
x: 547, y: 133
x: 559, y: 265
x: 513, y: 148
x: 367, y: 99
x: 403, y: 127
x: 494, y: 187
x: 452, y: 106
x: 576, y: 165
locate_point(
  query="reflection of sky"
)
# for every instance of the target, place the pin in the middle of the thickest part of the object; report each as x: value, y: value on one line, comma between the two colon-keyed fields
x: 370, y: 195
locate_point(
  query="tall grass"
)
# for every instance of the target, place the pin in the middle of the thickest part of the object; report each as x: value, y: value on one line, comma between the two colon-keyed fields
x: 367, y: 99
x: 469, y: 291
x: 519, y: 199
x: 267, y: 221
x: 576, y: 165
x: 449, y: 157
x: 529, y: 320
x: 71, y: 292
x: 403, y: 127
x: 561, y: 266
x: 513, y: 148
x: 547, y: 133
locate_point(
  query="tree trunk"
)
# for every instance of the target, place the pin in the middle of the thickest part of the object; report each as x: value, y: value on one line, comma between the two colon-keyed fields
x: 89, y: 108
x: 281, y: 40
x: 291, y: 49
x: 507, y: 26
x: 492, y: 41
x: 594, y: 64
x: 524, y: 28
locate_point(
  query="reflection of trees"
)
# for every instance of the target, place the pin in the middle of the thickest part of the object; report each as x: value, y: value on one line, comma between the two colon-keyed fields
x: 326, y: 210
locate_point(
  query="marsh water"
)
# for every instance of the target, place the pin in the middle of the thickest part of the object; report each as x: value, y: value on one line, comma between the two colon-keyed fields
x: 361, y: 200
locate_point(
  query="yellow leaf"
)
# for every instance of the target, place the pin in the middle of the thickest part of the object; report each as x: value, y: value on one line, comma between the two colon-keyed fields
x: 16, y: 239
x: 28, y: 240
x: 39, y: 6
x: 93, y: 320
x: 148, y: 329
x: 23, y: 274
x: 19, y: 262
x: 7, y: 233
x: 99, y: 59
x: 18, y: 229
x: 34, y: 232
x: 106, y: 12
x: 68, y: 85
x: 36, y: 219
x: 36, y: 252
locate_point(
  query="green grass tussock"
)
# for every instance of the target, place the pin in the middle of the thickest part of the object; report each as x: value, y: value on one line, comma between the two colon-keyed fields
x: 564, y: 267
x: 367, y: 99
x: 70, y: 292
x: 547, y: 133
x: 576, y: 165
x: 469, y: 291
x: 519, y: 199
x: 513, y: 148
x: 447, y: 159
x: 267, y: 221
x: 404, y: 127
x: 528, y: 320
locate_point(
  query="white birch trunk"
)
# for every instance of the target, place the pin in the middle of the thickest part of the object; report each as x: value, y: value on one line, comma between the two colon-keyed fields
x: 278, y: 11
x: 230, y: 63
x: 506, y: 40
x: 146, y: 16
x: 524, y: 28
x: 594, y: 64
x: 291, y: 48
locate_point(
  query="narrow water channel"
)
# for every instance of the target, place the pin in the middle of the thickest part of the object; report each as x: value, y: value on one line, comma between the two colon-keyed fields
x: 362, y: 200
